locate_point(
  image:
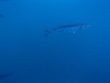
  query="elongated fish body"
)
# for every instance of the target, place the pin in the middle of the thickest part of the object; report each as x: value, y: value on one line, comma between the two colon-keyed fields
x: 73, y: 28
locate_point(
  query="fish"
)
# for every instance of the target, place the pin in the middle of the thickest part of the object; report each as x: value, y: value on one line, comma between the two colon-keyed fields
x: 71, y: 28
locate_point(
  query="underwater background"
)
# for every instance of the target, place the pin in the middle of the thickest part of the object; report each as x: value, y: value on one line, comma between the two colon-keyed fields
x: 27, y: 56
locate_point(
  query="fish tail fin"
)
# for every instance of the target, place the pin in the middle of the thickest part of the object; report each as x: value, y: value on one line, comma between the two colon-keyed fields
x: 47, y: 32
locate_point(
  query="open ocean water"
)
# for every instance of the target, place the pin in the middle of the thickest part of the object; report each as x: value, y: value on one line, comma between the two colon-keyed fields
x: 28, y: 56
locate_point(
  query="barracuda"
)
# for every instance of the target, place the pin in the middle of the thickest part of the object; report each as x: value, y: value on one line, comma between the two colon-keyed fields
x: 71, y: 28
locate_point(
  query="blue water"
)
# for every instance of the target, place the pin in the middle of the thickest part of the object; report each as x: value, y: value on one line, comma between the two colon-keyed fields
x: 27, y: 56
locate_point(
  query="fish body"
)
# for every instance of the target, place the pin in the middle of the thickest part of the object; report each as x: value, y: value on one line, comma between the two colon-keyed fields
x: 73, y: 28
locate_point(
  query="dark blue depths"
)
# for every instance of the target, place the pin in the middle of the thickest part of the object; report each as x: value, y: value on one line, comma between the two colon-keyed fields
x: 27, y: 56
